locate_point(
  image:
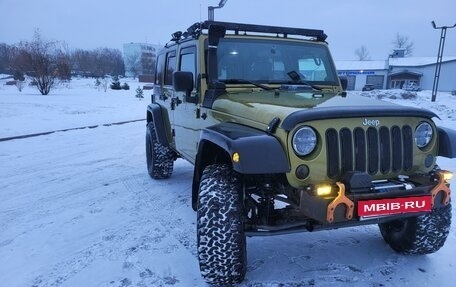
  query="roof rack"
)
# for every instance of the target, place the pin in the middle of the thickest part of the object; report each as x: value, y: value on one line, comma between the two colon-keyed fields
x: 197, y: 29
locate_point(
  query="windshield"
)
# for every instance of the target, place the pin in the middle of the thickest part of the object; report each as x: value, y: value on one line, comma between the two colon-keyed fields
x: 269, y: 61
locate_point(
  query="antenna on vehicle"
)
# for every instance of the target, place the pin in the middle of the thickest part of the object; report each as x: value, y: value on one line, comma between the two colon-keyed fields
x: 210, y: 9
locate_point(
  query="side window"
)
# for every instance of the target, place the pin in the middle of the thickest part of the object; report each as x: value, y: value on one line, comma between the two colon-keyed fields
x: 188, y: 60
x: 159, y: 69
x: 170, y: 67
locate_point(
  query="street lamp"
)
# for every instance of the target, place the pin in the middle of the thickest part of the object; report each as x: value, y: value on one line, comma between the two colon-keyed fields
x: 438, y: 65
x: 210, y: 9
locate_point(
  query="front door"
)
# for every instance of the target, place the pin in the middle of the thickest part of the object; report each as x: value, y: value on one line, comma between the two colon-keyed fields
x: 185, y: 114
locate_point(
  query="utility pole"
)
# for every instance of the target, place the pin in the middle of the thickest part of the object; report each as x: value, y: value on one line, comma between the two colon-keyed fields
x: 210, y: 10
x: 438, y: 65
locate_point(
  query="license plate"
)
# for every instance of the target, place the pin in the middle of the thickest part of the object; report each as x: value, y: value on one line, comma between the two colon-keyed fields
x: 372, y: 208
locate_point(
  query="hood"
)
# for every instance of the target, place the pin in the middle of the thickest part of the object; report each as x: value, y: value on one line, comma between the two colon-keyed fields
x: 296, y: 107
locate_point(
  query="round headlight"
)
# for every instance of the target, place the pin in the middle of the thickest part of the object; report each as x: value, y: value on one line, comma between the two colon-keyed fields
x: 304, y: 141
x: 423, y: 135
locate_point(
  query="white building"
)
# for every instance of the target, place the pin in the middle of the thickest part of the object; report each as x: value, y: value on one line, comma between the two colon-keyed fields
x: 421, y: 71
x: 139, y: 58
x: 359, y: 73
x: 396, y: 73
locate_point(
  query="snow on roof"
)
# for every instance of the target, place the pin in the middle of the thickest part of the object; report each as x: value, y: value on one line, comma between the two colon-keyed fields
x: 417, y: 61
x: 360, y: 65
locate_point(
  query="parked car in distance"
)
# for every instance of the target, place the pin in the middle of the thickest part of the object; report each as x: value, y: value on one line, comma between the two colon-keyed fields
x: 148, y: 86
x: 368, y: 87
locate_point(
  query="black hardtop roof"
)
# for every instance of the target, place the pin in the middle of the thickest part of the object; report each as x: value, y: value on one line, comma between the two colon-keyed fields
x: 197, y: 29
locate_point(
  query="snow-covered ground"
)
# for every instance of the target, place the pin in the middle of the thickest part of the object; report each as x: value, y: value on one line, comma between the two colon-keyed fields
x: 69, y: 105
x: 78, y: 208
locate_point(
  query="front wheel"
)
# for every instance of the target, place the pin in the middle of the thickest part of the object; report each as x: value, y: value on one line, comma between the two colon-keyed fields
x: 220, y: 227
x: 422, y: 234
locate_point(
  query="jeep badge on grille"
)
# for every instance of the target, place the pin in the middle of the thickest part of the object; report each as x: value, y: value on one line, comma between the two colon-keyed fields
x: 371, y: 123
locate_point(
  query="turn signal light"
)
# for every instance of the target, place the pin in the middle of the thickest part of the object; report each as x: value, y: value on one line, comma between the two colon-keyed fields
x: 236, y: 157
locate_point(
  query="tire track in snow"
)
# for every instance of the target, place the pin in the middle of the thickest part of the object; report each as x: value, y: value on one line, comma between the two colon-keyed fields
x: 175, y: 222
x: 137, y: 229
x: 349, y: 263
x: 142, y: 234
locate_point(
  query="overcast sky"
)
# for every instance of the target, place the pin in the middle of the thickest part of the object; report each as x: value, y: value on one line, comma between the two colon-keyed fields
x: 349, y: 24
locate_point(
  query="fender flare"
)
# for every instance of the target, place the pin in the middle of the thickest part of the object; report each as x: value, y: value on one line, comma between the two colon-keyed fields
x: 259, y: 152
x: 159, y: 116
x: 447, y: 142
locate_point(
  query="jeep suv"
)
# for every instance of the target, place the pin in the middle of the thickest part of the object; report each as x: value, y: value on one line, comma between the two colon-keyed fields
x: 279, y: 147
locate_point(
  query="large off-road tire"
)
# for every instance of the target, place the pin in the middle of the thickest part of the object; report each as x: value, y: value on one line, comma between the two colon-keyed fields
x: 422, y: 234
x: 220, y: 228
x: 160, y: 158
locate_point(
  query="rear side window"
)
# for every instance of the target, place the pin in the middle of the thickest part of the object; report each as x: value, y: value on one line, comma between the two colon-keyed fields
x: 159, y: 69
x: 170, y: 67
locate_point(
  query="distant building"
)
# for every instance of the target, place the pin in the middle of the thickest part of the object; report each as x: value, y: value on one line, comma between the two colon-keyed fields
x: 139, y: 60
x: 421, y: 71
x: 359, y: 73
x: 398, y: 72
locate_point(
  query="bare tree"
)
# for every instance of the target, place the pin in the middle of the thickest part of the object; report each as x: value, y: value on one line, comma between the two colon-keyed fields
x: 112, y: 61
x: 362, y: 53
x: 62, y: 66
x: 5, y: 51
x: 403, y: 42
x: 82, y: 62
x: 98, y: 63
x: 62, y: 59
x: 41, y: 60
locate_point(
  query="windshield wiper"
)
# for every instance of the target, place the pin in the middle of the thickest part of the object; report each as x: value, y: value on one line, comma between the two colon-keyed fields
x: 296, y: 80
x: 243, y: 81
x: 290, y: 85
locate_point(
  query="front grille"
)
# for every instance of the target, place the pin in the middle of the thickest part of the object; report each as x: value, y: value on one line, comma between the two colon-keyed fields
x: 373, y: 150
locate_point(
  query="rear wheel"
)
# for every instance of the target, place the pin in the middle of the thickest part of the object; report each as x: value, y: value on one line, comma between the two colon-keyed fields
x: 422, y: 234
x: 220, y: 228
x: 160, y: 158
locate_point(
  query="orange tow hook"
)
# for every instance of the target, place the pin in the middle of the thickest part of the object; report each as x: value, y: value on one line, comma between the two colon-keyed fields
x: 441, y: 186
x: 340, y: 199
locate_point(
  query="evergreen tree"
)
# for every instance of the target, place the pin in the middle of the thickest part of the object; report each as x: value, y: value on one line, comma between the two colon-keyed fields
x: 139, y: 93
x: 125, y: 86
x: 115, y: 84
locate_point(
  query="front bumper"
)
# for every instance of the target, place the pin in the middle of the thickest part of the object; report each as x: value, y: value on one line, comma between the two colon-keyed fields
x: 345, y: 206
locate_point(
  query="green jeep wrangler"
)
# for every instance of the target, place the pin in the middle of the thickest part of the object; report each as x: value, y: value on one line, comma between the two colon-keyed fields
x: 279, y: 147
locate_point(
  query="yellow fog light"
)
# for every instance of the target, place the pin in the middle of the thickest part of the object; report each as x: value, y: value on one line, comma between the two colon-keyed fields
x: 323, y: 190
x: 236, y: 157
x: 447, y: 175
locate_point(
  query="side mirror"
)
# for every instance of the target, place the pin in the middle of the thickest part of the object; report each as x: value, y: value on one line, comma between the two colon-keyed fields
x: 183, y: 82
x: 344, y: 83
